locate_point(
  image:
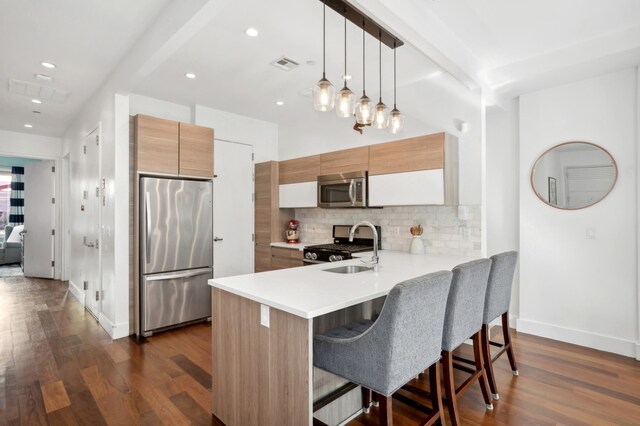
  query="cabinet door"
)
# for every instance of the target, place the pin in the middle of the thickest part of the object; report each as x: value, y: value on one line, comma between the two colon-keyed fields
x: 156, y: 145
x: 424, y: 187
x: 407, y: 155
x: 196, y: 150
x: 345, y: 161
x: 298, y: 195
x: 262, y: 258
x: 304, y: 169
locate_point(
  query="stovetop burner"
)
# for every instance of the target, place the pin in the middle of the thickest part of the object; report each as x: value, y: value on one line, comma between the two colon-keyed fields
x: 353, y: 248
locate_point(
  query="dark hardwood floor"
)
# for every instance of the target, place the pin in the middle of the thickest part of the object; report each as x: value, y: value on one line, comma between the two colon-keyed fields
x: 59, y: 367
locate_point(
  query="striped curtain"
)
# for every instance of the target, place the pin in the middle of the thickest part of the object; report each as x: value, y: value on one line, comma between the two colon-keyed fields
x: 16, y: 211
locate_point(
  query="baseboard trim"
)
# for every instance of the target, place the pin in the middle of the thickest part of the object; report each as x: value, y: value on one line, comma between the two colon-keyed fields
x: 638, y: 351
x: 116, y: 331
x: 579, y: 337
x: 77, y: 292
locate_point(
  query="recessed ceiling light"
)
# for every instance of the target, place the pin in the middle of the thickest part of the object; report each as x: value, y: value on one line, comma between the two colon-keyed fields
x: 311, y: 63
x: 435, y: 74
x: 190, y: 75
x: 36, y: 101
x: 35, y: 112
x: 346, y: 77
x: 44, y: 77
x: 279, y: 103
x: 28, y: 126
x: 48, y: 64
x: 251, y: 32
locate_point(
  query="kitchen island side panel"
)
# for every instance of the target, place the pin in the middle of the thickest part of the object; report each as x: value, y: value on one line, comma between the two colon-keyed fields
x: 261, y: 375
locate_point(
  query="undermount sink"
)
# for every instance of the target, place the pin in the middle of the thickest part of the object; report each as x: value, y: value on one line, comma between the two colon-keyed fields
x: 348, y: 269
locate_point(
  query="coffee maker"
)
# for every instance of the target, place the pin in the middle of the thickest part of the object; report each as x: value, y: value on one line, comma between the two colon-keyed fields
x: 291, y: 234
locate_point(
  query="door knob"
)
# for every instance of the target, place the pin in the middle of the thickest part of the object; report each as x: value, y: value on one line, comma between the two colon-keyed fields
x: 217, y: 239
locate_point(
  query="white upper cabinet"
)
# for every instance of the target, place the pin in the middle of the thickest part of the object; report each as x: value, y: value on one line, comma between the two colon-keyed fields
x: 298, y: 195
x: 424, y: 187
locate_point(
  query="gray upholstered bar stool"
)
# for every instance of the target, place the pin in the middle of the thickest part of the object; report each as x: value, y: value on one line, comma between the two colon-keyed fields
x: 496, y: 304
x: 463, y: 320
x: 402, y: 342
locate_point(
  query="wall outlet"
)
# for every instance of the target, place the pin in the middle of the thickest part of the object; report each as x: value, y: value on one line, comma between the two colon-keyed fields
x: 466, y: 234
x: 396, y: 231
x: 264, y: 315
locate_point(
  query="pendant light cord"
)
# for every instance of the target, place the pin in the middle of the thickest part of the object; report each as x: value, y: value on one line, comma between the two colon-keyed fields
x: 394, y: 75
x: 380, y: 63
x: 324, y: 36
x: 364, y: 75
x: 344, y: 77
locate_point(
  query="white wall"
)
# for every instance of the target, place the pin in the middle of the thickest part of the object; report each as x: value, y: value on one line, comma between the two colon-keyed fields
x: 502, y: 186
x: 139, y: 104
x: 571, y: 288
x: 263, y: 135
x: 110, y: 111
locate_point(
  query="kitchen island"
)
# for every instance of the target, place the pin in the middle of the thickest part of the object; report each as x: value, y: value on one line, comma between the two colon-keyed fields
x: 263, y: 326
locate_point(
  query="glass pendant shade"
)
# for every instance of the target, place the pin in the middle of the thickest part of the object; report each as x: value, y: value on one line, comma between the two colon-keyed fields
x: 345, y: 103
x: 364, y: 110
x: 381, y: 116
x: 323, y: 95
x: 395, y: 123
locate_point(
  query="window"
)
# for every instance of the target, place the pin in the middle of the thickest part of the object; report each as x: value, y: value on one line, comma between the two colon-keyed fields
x: 5, y: 195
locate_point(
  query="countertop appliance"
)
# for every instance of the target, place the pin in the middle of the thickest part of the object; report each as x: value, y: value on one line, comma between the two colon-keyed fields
x: 292, y: 233
x: 343, y: 190
x: 176, y: 252
x: 342, y: 249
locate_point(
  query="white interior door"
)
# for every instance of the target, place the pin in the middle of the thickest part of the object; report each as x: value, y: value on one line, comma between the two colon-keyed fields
x: 233, y: 209
x: 92, y: 266
x: 39, y: 219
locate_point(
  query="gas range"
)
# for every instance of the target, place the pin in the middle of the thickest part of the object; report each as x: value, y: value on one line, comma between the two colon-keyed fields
x: 341, y: 248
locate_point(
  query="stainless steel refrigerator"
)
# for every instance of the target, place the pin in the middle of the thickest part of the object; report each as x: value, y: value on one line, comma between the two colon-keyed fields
x: 176, y: 252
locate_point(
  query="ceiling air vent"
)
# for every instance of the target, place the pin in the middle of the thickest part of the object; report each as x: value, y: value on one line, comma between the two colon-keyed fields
x: 285, y: 63
x: 31, y: 90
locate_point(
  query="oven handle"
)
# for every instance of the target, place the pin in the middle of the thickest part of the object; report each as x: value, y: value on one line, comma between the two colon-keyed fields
x: 312, y: 262
x: 352, y: 192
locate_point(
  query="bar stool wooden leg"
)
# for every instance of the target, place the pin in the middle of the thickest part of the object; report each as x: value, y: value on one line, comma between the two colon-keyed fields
x: 477, y: 352
x: 386, y: 410
x: 436, y: 392
x: 366, y: 399
x: 507, y: 342
x: 488, y: 364
x: 450, y: 387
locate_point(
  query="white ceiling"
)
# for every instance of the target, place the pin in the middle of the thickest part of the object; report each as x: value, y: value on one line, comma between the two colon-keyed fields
x: 234, y: 72
x: 85, y: 39
x: 507, y: 46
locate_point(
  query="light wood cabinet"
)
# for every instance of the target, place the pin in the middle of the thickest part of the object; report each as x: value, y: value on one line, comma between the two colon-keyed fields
x: 156, y: 147
x: 344, y: 161
x: 196, y: 151
x: 407, y: 155
x: 172, y: 148
x: 283, y: 258
x: 270, y: 220
x: 303, y: 169
x: 416, y: 171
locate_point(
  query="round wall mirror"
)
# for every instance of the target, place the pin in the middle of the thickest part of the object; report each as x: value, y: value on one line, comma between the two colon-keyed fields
x: 574, y: 175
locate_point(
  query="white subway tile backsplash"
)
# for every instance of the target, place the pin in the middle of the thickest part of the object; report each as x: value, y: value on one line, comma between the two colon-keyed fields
x: 447, y: 229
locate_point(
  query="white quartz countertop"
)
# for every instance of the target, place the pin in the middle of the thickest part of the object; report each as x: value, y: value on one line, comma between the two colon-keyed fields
x: 309, y: 291
x: 296, y: 246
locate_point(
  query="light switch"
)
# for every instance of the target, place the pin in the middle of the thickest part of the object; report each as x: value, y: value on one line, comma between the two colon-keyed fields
x: 264, y: 315
x: 590, y: 233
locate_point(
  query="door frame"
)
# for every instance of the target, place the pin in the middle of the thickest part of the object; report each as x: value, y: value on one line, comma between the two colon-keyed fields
x: 98, y: 131
x: 60, y: 209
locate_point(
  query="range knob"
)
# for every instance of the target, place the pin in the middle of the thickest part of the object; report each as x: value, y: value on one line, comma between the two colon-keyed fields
x: 338, y: 257
x: 314, y: 256
x: 332, y: 258
x: 307, y: 255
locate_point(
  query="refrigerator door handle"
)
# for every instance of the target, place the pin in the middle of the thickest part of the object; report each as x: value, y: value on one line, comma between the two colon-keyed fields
x: 177, y: 275
x: 147, y: 225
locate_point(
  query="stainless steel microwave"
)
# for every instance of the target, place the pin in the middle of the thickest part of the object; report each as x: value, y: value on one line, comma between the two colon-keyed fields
x: 343, y: 190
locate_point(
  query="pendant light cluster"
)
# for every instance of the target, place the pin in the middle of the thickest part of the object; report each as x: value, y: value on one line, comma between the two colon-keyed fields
x: 345, y: 103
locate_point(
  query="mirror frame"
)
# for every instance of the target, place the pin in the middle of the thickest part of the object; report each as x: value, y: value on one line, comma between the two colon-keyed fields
x: 533, y: 169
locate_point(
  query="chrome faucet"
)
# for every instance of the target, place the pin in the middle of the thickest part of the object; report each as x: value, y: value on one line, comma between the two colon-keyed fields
x: 352, y: 232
